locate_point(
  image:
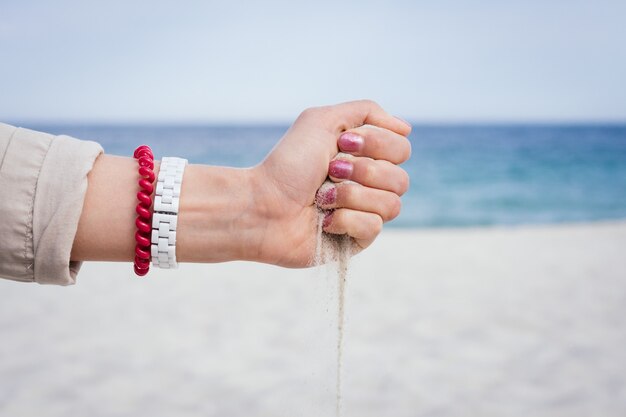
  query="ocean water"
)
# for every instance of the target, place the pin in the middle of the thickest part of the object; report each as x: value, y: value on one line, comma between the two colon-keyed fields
x: 460, y: 175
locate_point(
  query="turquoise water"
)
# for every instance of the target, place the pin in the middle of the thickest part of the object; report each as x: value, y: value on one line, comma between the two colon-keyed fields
x: 460, y: 175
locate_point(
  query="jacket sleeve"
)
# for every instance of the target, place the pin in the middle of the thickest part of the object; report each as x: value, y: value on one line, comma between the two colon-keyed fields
x: 43, y: 181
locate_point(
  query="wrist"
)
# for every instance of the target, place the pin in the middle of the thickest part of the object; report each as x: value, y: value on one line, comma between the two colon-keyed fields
x: 218, y: 219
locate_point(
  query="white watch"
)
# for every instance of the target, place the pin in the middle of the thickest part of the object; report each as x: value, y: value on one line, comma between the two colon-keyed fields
x: 165, y: 215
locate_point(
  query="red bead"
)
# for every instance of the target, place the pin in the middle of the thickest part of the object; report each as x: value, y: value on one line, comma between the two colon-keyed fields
x: 146, y: 185
x: 141, y: 272
x: 141, y: 239
x: 142, y: 225
x: 142, y: 211
x: 142, y: 263
x: 144, y: 199
x: 143, y: 150
x: 142, y: 253
x: 146, y: 162
x: 147, y: 172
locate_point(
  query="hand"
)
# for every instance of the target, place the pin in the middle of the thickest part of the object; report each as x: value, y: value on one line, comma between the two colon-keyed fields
x: 287, y: 181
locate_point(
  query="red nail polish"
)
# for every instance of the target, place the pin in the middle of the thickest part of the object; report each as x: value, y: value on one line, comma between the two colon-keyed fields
x: 340, y: 168
x: 350, y: 142
x: 328, y: 218
x: 326, y: 195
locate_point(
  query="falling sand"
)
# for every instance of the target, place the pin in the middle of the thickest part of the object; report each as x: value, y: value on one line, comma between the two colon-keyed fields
x: 335, y: 249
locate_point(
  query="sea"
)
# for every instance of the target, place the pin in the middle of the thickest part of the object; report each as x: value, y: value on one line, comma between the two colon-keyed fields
x: 461, y: 175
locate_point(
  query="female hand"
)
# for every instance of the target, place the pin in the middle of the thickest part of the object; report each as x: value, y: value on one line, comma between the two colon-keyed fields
x: 266, y: 213
x: 287, y: 181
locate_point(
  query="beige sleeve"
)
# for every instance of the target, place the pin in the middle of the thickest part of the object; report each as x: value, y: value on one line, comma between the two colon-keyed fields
x: 43, y: 181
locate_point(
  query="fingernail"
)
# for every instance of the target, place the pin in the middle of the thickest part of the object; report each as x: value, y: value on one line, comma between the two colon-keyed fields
x: 340, y: 169
x: 328, y: 218
x: 326, y: 195
x: 403, y: 121
x: 350, y: 142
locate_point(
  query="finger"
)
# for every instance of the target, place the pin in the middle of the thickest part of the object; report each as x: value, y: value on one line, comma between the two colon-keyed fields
x: 375, y: 143
x: 357, y: 113
x: 354, y: 196
x: 369, y: 172
x: 362, y: 226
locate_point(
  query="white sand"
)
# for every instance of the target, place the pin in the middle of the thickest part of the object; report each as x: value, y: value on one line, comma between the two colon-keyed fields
x: 492, y: 322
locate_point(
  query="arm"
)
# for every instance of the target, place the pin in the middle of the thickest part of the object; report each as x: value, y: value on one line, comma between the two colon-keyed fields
x: 217, y: 213
x: 266, y: 213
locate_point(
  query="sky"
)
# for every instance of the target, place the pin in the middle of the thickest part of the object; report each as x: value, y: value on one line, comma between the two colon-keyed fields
x: 266, y: 61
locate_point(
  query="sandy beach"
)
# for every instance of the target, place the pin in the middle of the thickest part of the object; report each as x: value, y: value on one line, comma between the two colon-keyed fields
x: 526, y: 321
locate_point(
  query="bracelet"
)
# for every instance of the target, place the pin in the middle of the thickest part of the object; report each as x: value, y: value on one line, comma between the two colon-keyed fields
x: 145, y: 159
x: 164, y: 220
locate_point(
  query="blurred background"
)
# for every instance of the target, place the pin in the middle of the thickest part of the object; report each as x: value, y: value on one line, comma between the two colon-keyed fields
x: 519, y: 108
x: 498, y: 291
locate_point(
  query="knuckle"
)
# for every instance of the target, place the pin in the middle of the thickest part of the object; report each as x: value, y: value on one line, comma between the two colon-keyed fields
x: 305, y: 115
x: 375, y: 141
x: 369, y: 171
x: 376, y: 225
x: 393, y: 208
x: 408, y: 150
x: 370, y: 103
x: 310, y: 113
x: 403, y: 182
x: 310, y: 110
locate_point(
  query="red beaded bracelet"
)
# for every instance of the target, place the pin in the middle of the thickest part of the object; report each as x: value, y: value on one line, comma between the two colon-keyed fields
x: 145, y: 159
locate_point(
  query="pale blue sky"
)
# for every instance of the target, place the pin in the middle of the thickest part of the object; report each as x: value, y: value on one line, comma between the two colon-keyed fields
x: 202, y: 61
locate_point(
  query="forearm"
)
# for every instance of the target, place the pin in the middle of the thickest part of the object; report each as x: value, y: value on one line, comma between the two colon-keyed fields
x: 217, y: 219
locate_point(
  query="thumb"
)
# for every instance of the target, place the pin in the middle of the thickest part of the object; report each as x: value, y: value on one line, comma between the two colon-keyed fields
x: 357, y: 113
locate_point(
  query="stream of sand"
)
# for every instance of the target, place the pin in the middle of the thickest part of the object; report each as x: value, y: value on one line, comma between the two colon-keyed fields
x: 335, y: 249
